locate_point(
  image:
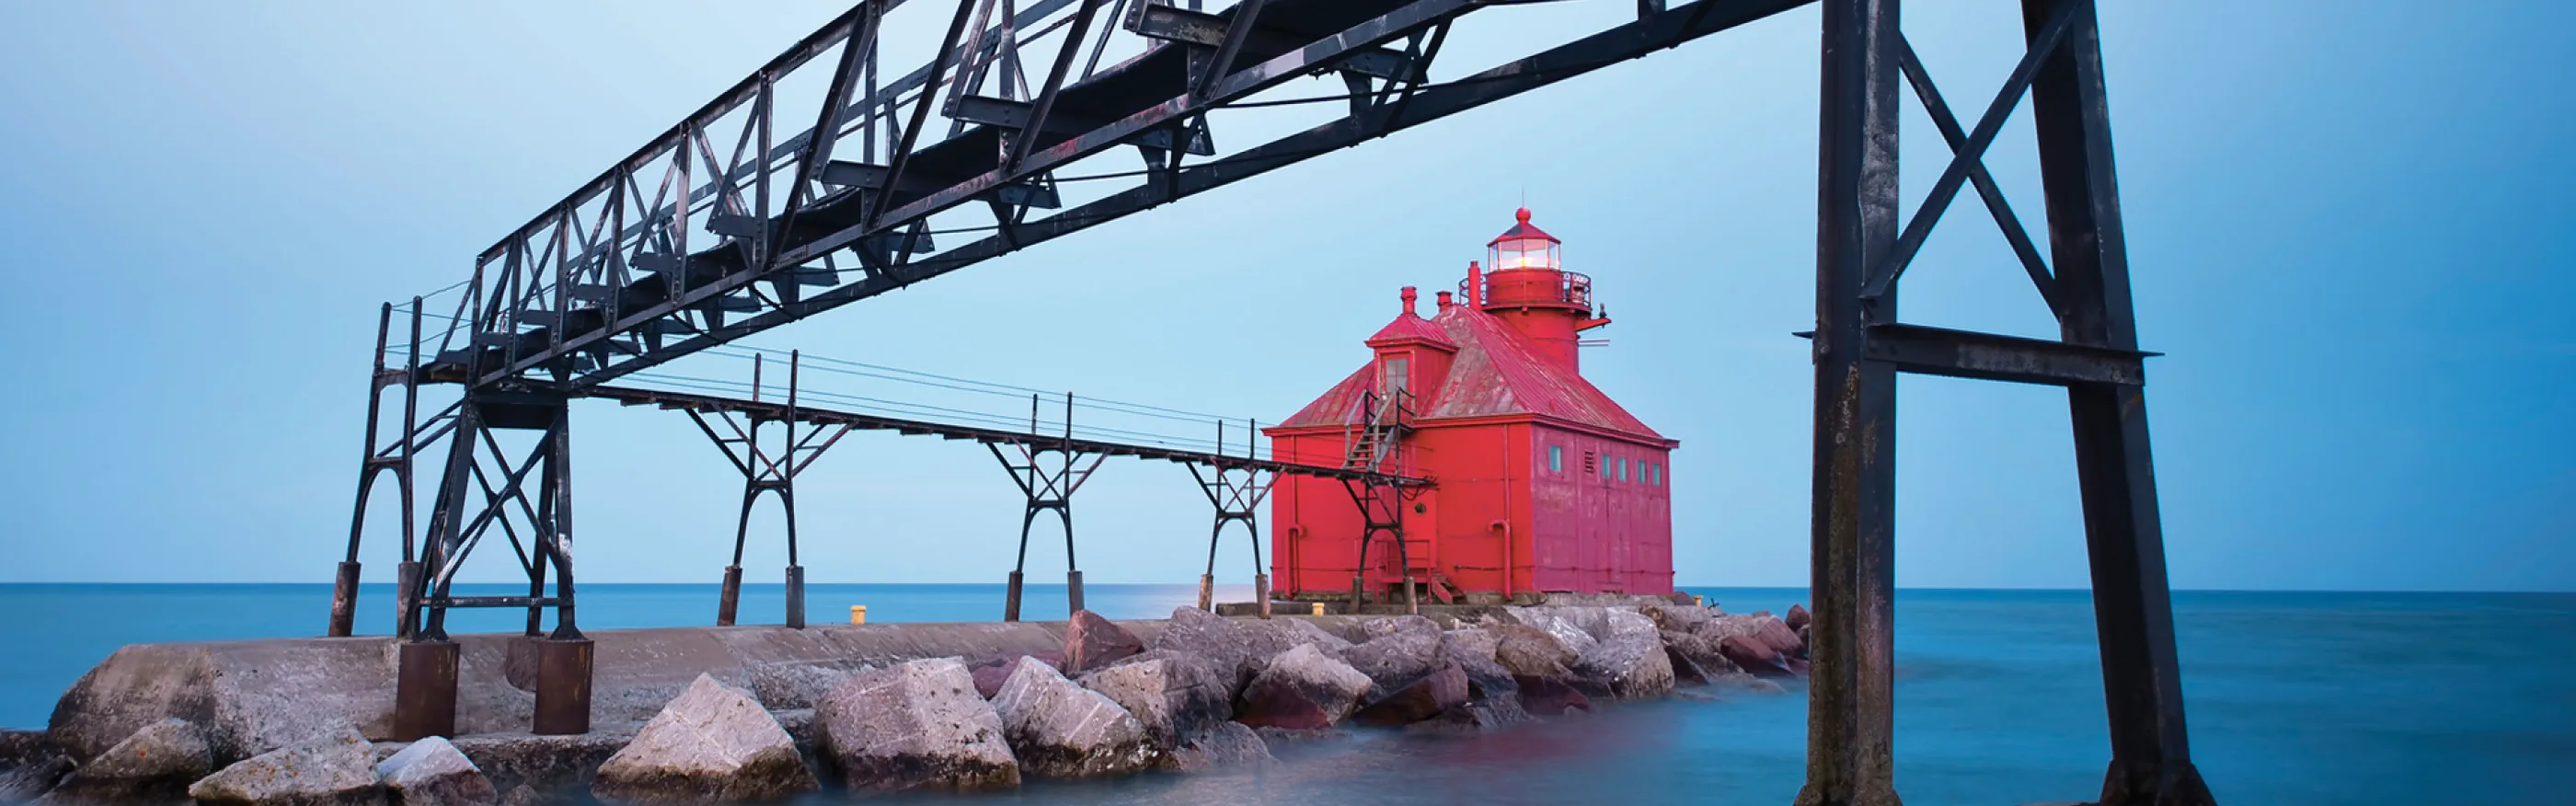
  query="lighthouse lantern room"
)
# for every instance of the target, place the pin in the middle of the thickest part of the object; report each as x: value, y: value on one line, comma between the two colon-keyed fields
x: 1539, y: 482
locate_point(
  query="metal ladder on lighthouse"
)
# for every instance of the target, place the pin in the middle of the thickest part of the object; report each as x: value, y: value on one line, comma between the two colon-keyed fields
x: 1369, y: 439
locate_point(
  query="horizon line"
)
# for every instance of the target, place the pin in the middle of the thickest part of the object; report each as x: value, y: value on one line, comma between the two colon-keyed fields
x: 1680, y: 586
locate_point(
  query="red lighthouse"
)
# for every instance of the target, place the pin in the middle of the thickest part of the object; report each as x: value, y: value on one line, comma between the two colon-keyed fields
x: 1539, y: 482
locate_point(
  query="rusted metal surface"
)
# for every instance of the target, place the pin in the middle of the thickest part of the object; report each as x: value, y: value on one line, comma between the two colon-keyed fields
x: 424, y: 690
x: 1860, y: 344
x: 344, y: 600
x: 729, y: 599
x: 796, y: 597
x: 1011, y: 598
x: 563, y: 687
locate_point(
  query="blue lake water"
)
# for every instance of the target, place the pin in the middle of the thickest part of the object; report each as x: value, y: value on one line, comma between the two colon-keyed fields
x: 2294, y: 698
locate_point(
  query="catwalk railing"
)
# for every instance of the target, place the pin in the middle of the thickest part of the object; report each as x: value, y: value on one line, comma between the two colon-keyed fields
x: 620, y: 276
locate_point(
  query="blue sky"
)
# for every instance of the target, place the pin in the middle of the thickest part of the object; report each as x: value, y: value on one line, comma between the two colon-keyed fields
x: 2347, y: 224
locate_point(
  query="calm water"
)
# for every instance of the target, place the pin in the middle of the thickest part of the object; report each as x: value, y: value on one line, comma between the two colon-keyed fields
x: 2295, y: 698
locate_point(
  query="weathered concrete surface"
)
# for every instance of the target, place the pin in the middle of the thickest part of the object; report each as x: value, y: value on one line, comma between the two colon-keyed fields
x: 1062, y: 730
x: 916, y: 725
x: 155, y: 765
x: 432, y: 772
x: 251, y: 697
x: 790, y: 685
x: 335, y: 769
x: 713, y: 743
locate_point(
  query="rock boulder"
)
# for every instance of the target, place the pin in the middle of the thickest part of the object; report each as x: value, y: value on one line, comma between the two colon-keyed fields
x: 1779, y: 636
x: 1683, y: 617
x: 1223, y: 744
x: 790, y: 686
x: 1469, y: 641
x: 1302, y: 688
x: 1470, y: 718
x: 1549, y: 696
x: 1752, y: 655
x: 1629, y: 660
x: 1798, y: 618
x: 1527, y: 650
x: 710, y: 744
x: 1692, y: 655
x: 541, y: 765
x: 917, y: 725
x: 1424, y: 698
x: 432, y: 772
x: 1377, y: 628
x: 30, y: 764
x: 1092, y: 642
x: 1396, y: 657
x: 990, y: 673
x: 1174, y: 696
x: 1059, y: 729
x: 1489, y: 685
x: 1566, y: 624
x: 338, y: 769
x: 157, y: 763
x: 1245, y: 647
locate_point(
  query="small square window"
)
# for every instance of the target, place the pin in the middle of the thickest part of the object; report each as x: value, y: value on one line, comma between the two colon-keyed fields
x: 1555, y: 458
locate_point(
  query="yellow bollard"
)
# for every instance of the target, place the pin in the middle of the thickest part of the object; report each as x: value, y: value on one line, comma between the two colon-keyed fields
x: 858, y: 614
x: 1699, y: 600
x: 1319, y: 608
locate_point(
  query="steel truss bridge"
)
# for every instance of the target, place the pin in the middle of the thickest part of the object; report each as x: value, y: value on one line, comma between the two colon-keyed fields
x: 824, y: 177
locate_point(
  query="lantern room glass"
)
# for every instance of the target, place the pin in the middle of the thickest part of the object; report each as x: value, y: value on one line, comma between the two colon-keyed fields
x: 1523, y: 253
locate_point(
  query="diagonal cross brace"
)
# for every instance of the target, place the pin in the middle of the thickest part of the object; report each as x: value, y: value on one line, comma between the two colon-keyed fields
x: 2040, y: 277
x: 1884, y: 273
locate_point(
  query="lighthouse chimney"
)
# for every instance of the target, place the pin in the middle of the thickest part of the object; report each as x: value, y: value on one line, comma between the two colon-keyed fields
x: 1526, y: 285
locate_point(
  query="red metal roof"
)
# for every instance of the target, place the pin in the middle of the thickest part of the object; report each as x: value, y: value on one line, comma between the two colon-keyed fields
x: 1411, y: 327
x: 1495, y: 373
x: 1522, y: 229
